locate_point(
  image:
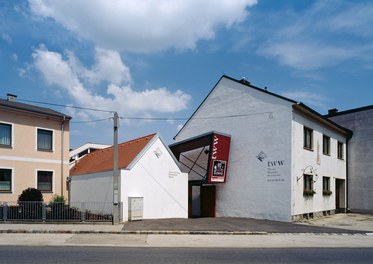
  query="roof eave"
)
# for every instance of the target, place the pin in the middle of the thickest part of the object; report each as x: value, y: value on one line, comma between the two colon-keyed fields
x: 310, y: 113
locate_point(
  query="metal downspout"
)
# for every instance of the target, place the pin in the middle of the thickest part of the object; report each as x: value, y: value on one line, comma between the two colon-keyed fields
x: 62, y: 153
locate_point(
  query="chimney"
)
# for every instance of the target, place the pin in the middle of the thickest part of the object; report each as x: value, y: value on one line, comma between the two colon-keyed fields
x: 244, y: 81
x: 11, y: 97
x: 332, y: 112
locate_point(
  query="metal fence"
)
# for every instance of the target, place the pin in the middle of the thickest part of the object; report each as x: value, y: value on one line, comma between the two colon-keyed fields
x: 56, y: 212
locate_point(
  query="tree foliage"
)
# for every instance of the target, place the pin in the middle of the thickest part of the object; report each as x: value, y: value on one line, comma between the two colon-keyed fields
x: 31, y: 195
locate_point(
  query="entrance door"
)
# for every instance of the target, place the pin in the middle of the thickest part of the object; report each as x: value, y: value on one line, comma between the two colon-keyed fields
x: 208, y: 195
x: 340, y: 195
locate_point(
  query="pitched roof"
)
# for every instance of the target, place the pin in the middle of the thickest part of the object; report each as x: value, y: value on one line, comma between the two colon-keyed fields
x: 350, y: 111
x: 12, y: 105
x: 299, y: 106
x: 103, y: 160
x: 243, y: 82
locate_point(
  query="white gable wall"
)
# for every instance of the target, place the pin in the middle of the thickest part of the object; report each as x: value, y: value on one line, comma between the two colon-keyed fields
x: 253, y: 189
x: 322, y: 165
x: 159, y: 181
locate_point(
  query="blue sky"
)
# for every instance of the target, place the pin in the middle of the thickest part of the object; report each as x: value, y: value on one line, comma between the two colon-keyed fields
x: 160, y: 58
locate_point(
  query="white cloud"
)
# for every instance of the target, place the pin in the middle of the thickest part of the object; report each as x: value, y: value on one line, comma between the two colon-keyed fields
x: 144, y: 25
x: 325, y: 35
x: 108, y: 67
x: 6, y: 38
x: 179, y: 127
x: 64, y: 72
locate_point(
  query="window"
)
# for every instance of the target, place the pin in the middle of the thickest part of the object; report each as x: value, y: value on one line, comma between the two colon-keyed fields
x: 5, y: 135
x: 308, y: 185
x: 45, y: 139
x: 326, y: 186
x: 340, y: 150
x: 326, y: 145
x: 45, y: 181
x: 308, y: 140
x: 5, y: 180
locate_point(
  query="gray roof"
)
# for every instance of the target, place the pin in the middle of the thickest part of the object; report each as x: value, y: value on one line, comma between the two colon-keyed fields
x: 31, y: 108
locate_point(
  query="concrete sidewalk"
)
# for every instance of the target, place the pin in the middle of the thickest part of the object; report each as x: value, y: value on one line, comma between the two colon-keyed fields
x: 336, y: 224
x: 354, y: 231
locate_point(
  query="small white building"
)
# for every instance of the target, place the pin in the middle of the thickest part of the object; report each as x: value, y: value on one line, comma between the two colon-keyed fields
x: 80, y: 152
x: 286, y: 161
x: 148, y: 175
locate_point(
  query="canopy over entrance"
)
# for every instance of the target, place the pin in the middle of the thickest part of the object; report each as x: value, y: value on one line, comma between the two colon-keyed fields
x: 204, y: 157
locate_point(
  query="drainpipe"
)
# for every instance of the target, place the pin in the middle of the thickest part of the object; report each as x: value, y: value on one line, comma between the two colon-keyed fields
x: 62, y: 153
x: 347, y: 178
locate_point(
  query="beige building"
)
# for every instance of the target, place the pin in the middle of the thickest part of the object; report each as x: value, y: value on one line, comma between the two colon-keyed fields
x: 34, y: 149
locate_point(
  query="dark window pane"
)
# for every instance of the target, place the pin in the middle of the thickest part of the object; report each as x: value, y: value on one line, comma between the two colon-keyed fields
x: 5, y: 135
x: 44, y: 139
x: 45, y: 180
x: 5, y: 180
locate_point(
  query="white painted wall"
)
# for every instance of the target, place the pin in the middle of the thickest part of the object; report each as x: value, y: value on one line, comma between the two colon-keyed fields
x: 253, y: 188
x: 323, y: 165
x: 92, y: 188
x: 160, y: 182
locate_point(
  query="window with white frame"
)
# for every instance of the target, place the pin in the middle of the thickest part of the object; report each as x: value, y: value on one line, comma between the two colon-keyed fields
x: 307, y: 138
x: 340, y: 150
x: 45, y: 181
x: 5, y: 135
x: 45, y: 139
x: 5, y: 180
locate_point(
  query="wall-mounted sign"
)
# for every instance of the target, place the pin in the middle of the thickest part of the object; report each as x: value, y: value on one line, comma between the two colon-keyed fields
x: 219, y: 154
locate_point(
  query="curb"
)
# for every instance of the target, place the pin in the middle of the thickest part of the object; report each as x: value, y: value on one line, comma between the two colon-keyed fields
x: 132, y: 232
x: 168, y: 232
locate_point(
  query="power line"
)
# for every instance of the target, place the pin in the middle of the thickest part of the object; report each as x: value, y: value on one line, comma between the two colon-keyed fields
x: 195, y: 118
x: 91, y: 121
x: 137, y: 118
x: 69, y: 106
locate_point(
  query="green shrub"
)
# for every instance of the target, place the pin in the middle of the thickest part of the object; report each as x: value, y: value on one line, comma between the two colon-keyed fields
x: 57, y: 199
x: 31, y: 195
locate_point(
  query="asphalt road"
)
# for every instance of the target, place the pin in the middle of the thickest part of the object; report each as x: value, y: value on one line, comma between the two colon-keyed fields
x: 107, y: 255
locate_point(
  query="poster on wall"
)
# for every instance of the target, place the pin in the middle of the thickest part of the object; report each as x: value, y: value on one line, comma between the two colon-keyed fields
x: 219, y: 154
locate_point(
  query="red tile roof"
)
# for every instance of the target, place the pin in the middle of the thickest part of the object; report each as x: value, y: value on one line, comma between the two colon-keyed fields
x: 103, y: 160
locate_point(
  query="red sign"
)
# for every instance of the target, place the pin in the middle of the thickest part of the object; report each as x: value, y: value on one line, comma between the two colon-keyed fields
x: 219, y: 154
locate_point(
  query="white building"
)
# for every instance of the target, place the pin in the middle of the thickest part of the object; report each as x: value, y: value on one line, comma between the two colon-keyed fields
x: 148, y: 173
x: 80, y: 152
x: 286, y: 161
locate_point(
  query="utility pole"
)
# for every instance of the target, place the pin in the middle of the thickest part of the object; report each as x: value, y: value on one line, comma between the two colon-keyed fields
x: 116, y: 195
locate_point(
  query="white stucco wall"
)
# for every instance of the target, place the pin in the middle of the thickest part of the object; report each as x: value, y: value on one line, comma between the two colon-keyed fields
x: 322, y: 165
x: 254, y: 188
x: 160, y: 182
x: 94, y: 188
